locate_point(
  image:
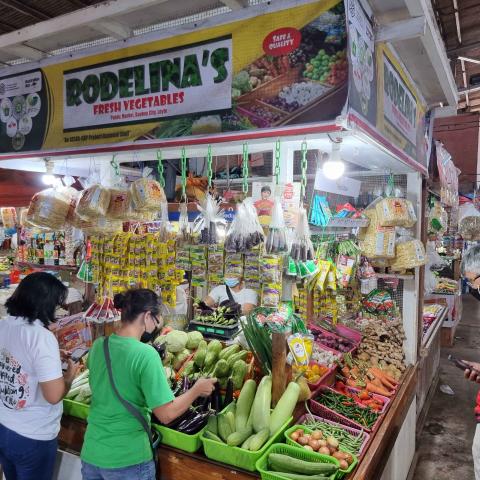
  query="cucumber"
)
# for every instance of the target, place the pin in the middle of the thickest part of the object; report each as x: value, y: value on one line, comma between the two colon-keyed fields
x: 237, y: 438
x: 259, y: 440
x: 212, y: 424
x: 246, y: 443
x: 230, y: 416
x: 297, y: 476
x: 261, y: 405
x: 244, y: 404
x: 224, y: 428
x: 285, y: 463
x: 284, y: 408
x: 212, y: 436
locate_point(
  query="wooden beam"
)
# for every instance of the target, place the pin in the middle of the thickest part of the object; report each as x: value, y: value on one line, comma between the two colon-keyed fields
x: 112, y: 28
x: 25, y: 51
x: 78, y: 18
x: 401, y: 30
x: 25, y: 9
x: 235, y: 4
x: 463, y: 49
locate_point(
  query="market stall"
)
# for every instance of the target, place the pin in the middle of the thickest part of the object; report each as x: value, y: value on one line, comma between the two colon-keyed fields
x: 309, y: 200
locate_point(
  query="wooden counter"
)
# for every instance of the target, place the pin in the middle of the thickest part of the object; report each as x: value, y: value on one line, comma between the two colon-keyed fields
x: 177, y: 465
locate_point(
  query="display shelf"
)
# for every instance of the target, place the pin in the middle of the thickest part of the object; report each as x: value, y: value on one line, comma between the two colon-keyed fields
x: 348, y: 222
x: 434, y: 327
x: 62, y: 268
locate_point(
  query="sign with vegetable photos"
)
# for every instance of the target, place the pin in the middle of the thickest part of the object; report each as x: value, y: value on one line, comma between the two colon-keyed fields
x: 287, y: 66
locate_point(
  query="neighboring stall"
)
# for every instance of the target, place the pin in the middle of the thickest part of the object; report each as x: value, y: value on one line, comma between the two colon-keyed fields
x: 311, y: 200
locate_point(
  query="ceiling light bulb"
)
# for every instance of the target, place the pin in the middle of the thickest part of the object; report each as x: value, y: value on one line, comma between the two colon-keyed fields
x: 48, y: 179
x: 334, y: 167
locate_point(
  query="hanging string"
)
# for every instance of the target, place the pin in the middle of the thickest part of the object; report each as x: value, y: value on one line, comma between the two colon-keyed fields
x: 245, y: 170
x: 276, y: 170
x: 184, y: 174
x: 304, y: 165
x: 209, y: 167
x: 161, y: 176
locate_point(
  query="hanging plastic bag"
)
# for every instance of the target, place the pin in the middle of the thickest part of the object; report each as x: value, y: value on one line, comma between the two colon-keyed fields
x: 49, y: 208
x: 184, y: 230
x: 469, y: 222
x: 211, y: 221
x: 302, y: 248
x: 147, y: 194
x: 245, y: 232
x: 119, y: 207
x: 93, y: 202
x: 277, y: 239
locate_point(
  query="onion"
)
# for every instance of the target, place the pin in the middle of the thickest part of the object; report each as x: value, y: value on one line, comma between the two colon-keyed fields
x: 317, y: 435
x: 303, y: 440
x: 295, y: 436
x: 309, y: 448
x: 343, y: 465
x: 323, y: 443
x: 324, y: 451
x: 314, y: 444
x: 332, y: 442
x: 300, y: 432
x: 348, y: 458
x: 339, y: 455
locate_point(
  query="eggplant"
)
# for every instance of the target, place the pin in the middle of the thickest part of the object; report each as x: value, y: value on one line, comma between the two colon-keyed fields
x: 228, y: 394
x: 194, y: 424
x: 216, y: 398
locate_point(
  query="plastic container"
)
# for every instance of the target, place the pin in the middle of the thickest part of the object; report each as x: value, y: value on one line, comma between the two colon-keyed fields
x: 325, y: 412
x: 182, y: 441
x: 294, y: 452
x: 319, y: 330
x: 353, y: 431
x: 238, y: 457
x: 354, y: 335
x: 75, y: 409
x: 341, y: 473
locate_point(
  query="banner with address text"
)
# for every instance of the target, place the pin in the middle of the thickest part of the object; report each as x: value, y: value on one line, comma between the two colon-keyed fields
x: 279, y: 68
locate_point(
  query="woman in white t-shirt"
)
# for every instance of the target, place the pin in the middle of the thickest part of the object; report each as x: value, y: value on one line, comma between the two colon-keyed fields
x: 245, y: 297
x: 32, y: 385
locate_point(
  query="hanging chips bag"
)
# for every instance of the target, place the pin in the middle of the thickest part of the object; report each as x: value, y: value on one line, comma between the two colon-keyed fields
x: 147, y: 194
x: 93, y: 202
x: 49, y: 209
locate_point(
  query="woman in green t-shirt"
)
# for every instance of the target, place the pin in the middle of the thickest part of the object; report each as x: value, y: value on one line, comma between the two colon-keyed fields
x: 116, y: 446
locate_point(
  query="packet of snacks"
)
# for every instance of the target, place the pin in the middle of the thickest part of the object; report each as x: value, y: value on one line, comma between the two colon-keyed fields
x: 119, y: 206
x: 147, y: 194
x: 49, y: 208
x: 93, y: 202
x: 395, y: 212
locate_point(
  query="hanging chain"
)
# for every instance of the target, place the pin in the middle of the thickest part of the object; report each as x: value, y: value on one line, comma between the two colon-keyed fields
x: 209, y: 167
x: 161, y: 176
x: 276, y: 170
x: 184, y: 174
x: 303, y: 189
x: 245, y: 169
x: 115, y: 165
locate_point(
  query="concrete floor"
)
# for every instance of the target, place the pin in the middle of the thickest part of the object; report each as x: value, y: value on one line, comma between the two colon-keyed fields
x: 444, y: 448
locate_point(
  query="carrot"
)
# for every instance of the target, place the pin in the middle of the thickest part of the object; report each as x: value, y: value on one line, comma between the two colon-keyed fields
x: 345, y: 372
x: 378, y: 382
x: 381, y: 374
x: 380, y: 391
x: 351, y: 382
x: 385, y: 383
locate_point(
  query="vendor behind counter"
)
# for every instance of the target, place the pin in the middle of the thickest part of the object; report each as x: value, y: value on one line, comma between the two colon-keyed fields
x: 245, y: 297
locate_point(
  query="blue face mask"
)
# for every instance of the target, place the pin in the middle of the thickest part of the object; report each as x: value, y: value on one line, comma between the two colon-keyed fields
x: 232, y: 282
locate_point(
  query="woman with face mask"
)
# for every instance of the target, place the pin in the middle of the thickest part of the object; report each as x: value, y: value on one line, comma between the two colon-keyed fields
x: 245, y: 297
x: 116, y: 445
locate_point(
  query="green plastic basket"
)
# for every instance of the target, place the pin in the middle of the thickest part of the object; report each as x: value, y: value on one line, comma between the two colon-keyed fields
x: 239, y: 457
x: 182, y: 441
x: 294, y: 452
x: 341, y: 473
x: 75, y: 409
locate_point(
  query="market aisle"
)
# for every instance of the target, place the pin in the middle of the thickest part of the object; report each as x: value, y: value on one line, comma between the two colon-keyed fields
x: 445, y: 445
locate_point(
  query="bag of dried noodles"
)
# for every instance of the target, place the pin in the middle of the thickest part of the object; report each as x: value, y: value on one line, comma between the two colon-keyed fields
x: 93, y: 202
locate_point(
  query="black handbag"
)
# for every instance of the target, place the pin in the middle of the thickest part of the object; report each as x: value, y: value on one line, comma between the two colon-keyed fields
x: 154, y: 437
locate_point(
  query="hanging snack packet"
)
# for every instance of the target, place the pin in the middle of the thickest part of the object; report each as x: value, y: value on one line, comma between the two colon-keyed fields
x: 93, y: 202
x: 147, y: 194
x: 49, y: 209
x: 301, y: 347
x: 277, y: 239
x: 119, y: 206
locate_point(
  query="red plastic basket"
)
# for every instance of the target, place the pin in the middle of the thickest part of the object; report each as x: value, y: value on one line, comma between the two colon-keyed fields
x: 385, y: 400
x: 325, y: 412
x: 354, y: 335
x: 316, y: 330
x: 353, y: 431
